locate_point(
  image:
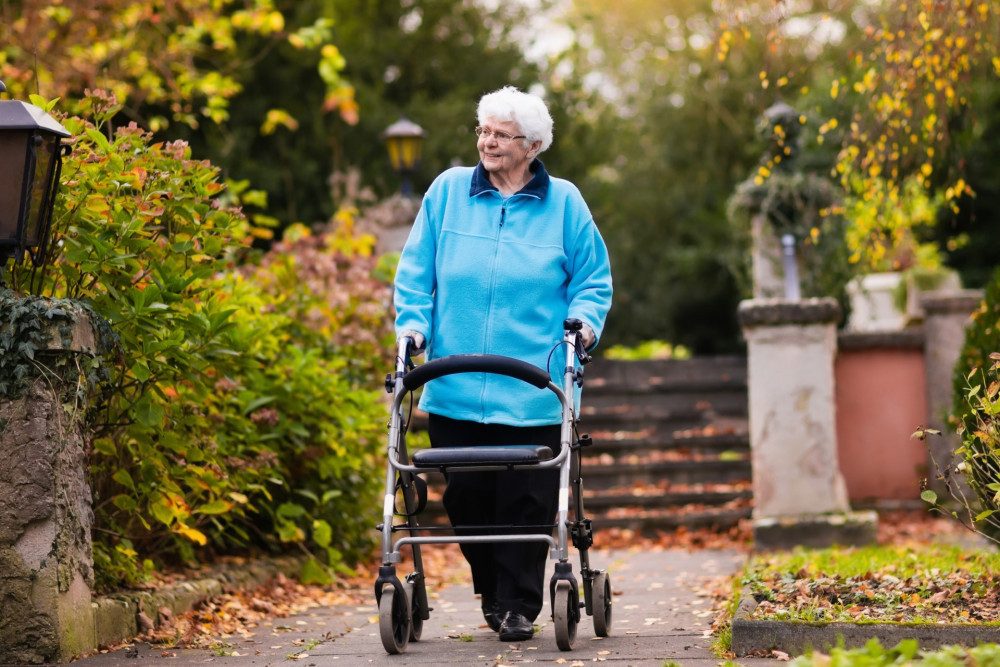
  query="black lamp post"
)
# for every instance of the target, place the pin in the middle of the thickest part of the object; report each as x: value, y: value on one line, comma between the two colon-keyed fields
x: 405, y: 141
x: 31, y: 153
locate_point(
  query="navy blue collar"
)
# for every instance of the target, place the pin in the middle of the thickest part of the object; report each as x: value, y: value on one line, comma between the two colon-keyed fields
x: 538, y: 186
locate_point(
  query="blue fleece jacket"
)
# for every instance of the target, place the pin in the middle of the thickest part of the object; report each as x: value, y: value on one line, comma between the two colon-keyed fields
x: 483, y: 275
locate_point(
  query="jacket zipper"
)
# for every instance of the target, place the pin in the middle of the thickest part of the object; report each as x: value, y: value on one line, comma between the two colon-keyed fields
x: 489, y: 312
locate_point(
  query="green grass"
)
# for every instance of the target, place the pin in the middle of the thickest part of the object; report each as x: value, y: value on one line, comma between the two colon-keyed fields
x: 221, y: 649
x: 913, y: 583
x: 901, y: 561
x: 650, y: 349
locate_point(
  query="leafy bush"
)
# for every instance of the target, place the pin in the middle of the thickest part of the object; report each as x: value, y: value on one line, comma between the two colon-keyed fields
x: 974, y: 479
x: 886, y: 222
x: 244, y: 410
x: 982, y: 337
x: 905, y: 652
x: 978, y: 457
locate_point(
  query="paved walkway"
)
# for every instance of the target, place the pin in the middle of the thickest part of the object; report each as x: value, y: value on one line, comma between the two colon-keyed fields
x: 658, y: 618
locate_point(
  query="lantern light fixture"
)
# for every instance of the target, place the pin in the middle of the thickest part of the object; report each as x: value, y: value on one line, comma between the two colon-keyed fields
x: 31, y: 153
x: 405, y: 140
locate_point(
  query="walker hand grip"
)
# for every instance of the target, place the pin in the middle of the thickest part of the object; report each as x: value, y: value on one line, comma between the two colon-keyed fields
x: 472, y: 363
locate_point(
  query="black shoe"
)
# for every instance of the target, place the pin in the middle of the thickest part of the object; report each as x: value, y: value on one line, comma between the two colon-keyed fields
x: 515, y: 628
x: 491, y: 612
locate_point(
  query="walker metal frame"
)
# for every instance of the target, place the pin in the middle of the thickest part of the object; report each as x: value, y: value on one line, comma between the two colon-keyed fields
x: 403, y: 604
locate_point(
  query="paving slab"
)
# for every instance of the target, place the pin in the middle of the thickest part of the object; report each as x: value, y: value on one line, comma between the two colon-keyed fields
x: 659, y: 617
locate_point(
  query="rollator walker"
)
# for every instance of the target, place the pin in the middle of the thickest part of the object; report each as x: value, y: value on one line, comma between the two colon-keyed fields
x: 402, y: 605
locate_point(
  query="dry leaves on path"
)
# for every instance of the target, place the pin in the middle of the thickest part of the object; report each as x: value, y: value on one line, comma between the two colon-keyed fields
x: 239, y: 613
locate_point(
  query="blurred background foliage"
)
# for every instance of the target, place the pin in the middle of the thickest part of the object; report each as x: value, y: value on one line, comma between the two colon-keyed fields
x: 656, y: 104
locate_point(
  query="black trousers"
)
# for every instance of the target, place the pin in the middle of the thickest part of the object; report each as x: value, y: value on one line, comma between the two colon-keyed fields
x: 513, y: 572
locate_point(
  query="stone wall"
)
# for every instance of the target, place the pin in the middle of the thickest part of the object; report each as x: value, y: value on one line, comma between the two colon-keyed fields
x: 46, y: 559
x: 46, y: 563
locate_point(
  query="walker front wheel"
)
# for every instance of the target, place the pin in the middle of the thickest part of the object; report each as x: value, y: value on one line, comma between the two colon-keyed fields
x: 602, y: 604
x: 565, y: 611
x: 394, y: 620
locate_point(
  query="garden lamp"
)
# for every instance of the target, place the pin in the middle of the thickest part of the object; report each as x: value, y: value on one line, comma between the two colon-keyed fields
x: 405, y: 140
x: 31, y: 152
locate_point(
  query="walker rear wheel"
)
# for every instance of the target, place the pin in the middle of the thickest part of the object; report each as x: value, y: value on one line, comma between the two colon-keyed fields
x: 602, y: 604
x: 394, y: 620
x: 416, y: 622
x: 565, y: 610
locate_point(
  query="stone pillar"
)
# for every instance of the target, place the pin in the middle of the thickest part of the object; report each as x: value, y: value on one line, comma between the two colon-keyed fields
x: 46, y: 558
x: 946, y: 315
x: 799, y: 493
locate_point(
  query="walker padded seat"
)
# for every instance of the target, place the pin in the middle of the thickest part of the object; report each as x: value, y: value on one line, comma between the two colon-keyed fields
x: 505, y: 455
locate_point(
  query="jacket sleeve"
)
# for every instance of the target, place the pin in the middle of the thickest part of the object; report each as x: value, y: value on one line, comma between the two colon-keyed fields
x: 590, y: 288
x: 416, y: 278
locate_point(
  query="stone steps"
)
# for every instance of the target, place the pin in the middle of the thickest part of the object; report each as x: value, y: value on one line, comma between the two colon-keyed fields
x: 705, y: 471
x: 670, y: 445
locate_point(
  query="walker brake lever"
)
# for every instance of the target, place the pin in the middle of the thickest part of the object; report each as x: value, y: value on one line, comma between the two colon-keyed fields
x: 581, y: 353
x: 576, y: 326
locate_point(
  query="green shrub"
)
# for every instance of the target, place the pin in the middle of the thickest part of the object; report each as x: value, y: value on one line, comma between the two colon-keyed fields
x: 973, y: 479
x: 982, y: 337
x: 906, y: 652
x: 978, y: 456
x: 650, y: 349
x: 244, y: 408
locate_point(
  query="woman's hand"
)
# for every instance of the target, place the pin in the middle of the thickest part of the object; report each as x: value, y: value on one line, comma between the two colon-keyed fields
x: 417, y: 338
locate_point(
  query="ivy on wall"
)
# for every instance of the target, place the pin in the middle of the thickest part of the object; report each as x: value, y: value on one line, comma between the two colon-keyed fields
x: 28, y: 327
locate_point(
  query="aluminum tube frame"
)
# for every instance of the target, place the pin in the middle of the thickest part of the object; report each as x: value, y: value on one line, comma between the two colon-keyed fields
x: 478, y: 539
x: 398, y: 460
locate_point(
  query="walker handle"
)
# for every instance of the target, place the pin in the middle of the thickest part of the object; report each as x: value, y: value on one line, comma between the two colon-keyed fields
x: 471, y: 363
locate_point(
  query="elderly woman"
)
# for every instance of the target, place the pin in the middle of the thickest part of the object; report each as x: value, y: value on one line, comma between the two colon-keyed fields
x: 499, y: 256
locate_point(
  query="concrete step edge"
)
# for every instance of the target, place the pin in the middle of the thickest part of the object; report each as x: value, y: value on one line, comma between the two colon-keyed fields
x: 116, y: 614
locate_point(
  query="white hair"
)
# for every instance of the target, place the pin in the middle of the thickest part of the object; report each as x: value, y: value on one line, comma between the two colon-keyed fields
x: 528, y: 111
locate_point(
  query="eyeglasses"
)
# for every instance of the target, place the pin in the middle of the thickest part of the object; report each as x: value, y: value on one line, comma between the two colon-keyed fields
x: 501, y: 137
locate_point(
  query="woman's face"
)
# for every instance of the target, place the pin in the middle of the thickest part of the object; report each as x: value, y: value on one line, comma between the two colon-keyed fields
x: 501, y: 158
